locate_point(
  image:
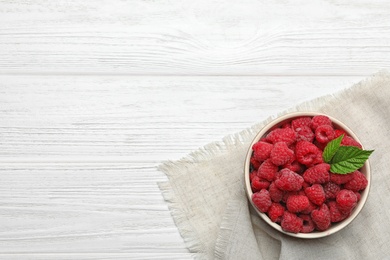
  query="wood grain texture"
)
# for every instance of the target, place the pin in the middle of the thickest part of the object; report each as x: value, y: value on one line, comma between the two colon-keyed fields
x: 148, y: 119
x: 84, y: 209
x: 205, y: 37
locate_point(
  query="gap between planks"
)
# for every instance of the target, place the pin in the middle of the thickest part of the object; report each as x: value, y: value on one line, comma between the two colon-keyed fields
x: 119, y: 74
x: 74, y: 160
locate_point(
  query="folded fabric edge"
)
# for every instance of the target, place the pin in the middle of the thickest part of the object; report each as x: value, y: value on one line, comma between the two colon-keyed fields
x: 186, y: 231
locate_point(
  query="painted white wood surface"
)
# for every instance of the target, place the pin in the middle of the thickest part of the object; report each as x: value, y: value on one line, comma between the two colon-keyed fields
x: 95, y: 94
x: 203, y: 37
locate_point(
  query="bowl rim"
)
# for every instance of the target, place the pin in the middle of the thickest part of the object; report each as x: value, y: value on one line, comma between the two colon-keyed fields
x: 335, y: 226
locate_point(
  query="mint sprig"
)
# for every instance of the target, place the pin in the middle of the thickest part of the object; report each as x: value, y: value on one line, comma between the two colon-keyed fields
x: 344, y: 159
x: 331, y: 148
x: 348, y: 159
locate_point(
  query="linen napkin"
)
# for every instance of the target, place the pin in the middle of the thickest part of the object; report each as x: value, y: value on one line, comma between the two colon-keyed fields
x: 205, y: 190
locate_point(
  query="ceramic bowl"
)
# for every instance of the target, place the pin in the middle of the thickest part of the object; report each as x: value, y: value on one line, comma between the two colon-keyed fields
x: 335, y: 226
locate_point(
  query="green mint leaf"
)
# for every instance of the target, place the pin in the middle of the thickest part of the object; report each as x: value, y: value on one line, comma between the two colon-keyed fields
x: 348, y: 159
x: 331, y: 148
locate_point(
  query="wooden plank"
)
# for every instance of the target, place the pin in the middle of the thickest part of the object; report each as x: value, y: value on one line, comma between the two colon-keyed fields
x: 194, y: 38
x: 148, y: 119
x: 85, y: 210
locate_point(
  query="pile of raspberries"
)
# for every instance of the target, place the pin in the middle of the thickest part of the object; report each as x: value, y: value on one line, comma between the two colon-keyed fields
x: 293, y: 185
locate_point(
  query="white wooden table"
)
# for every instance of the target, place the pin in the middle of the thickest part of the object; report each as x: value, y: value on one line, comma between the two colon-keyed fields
x: 95, y: 94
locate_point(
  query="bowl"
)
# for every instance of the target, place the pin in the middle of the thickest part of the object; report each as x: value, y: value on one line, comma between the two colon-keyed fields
x: 335, y: 227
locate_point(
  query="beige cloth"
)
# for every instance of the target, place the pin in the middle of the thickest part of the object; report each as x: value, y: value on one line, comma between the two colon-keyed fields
x: 205, y: 191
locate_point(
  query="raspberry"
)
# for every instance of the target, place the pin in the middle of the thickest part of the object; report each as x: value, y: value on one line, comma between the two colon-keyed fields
x: 305, y: 134
x: 275, y: 194
x: 339, y: 132
x: 259, y: 184
x: 358, y: 183
x: 321, y: 217
x: 357, y: 195
x: 335, y: 214
x: 349, y: 141
x: 320, y: 146
x: 252, y: 175
x: 346, y: 200
x: 331, y: 189
x: 340, y: 178
x: 309, y: 209
x: 316, y: 121
x: 287, y: 194
x: 297, y: 203
x: 316, y: 194
x: 300, y: 122
x: 286, y: 135
x: 324, y: 133
x: 255, y: 163
x: 317, y: 174
x: 307, y: 153
x: 261, y: 150
x: 295, y: 167
x: 267, y: 170
x: 291, y: 222
x: 275, y: 212
x: 262, y: 200
x: 289, y: 180
x: 308, y: 224
x: 305, y: 185
x: 281, y: 154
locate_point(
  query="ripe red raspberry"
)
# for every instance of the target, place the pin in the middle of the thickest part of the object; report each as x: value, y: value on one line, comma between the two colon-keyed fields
x: 291, y: 222
x: 288, y: 194
x: 335, y: 214
x: 288, y: 180
x: 281, y: 154
x: 297, y: 203
x: 309, y: 209
x: 267, y: 170
x: 300, y: 122
x: 262, y: 200
x: 324, y: 133
x: 305, y: 134
x: 317, y: 174
x: 286, y: 135
x: 340, y: 178
x: 259, y: 184
x: 308, y: 224
x: 252, y: 174
x: 320, y: 146
x: 358, y: 195
x: 307, y: 153
x: 295, y: 166
x: 305, y: 185
x: 338, y: 132
x: 262, y: 150
x: 255, y: 163
x: 321, y: 217
x: 275, y: 212
x: 346, y: 200
x: 316, y: 194
x: 331, y: 189
x: 316, y: 121
x: 359, y: 182
x: 275, y: 194
x: 349, y: 141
